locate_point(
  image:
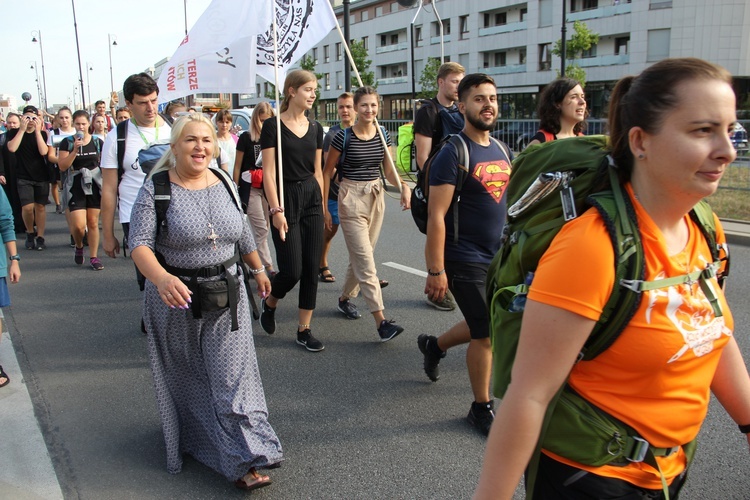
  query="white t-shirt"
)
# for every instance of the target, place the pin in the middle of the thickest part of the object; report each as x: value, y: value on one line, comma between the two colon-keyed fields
x: 133, y: 176
x: 231, y: 149
x: 223, y: 160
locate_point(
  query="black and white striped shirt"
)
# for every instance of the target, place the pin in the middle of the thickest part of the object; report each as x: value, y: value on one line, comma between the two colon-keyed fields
x: 363, y: 158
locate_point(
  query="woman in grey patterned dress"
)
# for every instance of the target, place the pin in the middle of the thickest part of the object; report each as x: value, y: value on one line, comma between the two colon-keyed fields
x: 206, y: 376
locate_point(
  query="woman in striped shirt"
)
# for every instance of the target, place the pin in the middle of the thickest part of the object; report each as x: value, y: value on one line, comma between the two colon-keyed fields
x: 362, y: 205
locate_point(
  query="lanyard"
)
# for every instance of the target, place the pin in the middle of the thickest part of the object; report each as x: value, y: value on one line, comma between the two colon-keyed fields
x: 145, y: 141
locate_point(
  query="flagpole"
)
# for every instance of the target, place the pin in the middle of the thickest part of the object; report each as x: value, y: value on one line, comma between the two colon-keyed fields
x: 279, y: 174
x: 361, y: 84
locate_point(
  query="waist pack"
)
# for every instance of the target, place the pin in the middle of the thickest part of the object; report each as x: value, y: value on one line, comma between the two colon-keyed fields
x: 551, y: 183
x: 214, y: 295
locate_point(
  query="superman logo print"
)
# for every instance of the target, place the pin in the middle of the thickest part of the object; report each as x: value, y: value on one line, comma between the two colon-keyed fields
x: 494, y: 176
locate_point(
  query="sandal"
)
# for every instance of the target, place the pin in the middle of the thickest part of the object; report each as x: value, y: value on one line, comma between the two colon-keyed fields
x: 5, y: 376
x: 258, y: 481
x: 326, y: 278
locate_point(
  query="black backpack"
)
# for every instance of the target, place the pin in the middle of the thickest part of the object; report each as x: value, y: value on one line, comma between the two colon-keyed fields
x: 421, y: 192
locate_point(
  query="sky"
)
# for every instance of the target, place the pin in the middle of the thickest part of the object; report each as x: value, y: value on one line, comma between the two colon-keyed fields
x: 146, y: 32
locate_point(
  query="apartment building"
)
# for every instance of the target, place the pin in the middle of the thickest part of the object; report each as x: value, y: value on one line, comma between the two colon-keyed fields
x: 512, y: 41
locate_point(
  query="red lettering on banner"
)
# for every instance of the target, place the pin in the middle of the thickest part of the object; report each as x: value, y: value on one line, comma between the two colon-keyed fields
x: 184, y: 40
x: 170, y: 79
x: 192, y: 75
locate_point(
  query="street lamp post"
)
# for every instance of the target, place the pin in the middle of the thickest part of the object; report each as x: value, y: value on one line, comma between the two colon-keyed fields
x: 110, y: 43
x: 78, y: 50
x: 38, y: 83
x: 34, y: 35
x: 88, y: 82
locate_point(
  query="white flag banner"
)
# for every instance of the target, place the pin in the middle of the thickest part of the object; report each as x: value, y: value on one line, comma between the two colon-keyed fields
x: 219, y: 52
x: 300, y: 25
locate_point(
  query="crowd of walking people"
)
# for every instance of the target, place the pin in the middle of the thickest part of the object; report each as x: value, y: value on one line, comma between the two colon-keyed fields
x: 197, y: 225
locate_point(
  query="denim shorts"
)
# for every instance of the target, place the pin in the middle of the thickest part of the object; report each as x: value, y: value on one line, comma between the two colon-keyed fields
x: 333, y: 209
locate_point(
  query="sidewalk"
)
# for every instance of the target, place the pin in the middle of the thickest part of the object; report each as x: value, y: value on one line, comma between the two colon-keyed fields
x: 26, y: 472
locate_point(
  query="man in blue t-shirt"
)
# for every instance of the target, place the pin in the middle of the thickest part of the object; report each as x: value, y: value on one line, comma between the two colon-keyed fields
x: 461, y: 266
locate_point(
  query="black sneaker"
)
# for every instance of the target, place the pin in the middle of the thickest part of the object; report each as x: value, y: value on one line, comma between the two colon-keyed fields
x: 30, y: 243
x: 348, y: 309
x: 481, y: 416
x: 306, y: 340
x: 72, y: 241
x: 267, y: 317
x: 388, y: 330
x: 40, y: 243
x: 428, y: 345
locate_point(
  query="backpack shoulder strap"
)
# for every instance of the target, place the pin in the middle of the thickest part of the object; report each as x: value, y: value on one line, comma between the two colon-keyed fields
x: 229, y: 185
x: 548, y: 136
x: 503, y: 147
x: 462, y: 173
x: 703, y: 216
x: 122, y: 134
x: 342, y: 156
x: 162, y: 198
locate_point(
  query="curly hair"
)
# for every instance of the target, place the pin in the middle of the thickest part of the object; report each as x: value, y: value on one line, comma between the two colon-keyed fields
x: 549, y: 110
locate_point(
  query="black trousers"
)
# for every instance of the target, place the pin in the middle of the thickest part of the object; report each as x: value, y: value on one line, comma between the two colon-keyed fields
x: 558, y: 481
x: 298, y: 257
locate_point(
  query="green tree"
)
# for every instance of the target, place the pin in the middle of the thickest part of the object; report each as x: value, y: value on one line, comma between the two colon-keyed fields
x: 582, y: 40
x: 363, y: 62
x: 428, y: 79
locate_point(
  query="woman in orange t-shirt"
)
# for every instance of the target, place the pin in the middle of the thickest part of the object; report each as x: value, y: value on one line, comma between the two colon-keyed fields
x: 670, y: 139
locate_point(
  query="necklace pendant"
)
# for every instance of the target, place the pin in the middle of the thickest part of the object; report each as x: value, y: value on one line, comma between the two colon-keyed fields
x: 212, y: 236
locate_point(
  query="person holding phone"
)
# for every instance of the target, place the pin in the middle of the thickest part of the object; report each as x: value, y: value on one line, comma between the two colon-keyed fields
x: 29, y: 143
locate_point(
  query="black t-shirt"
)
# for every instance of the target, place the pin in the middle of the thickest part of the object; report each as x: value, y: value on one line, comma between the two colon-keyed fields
x: 250, y: 150
x: 30, y: 164
x: 298, y: 152
x: 482, y: 207
x: 429, y: 123
x: 88, y: 157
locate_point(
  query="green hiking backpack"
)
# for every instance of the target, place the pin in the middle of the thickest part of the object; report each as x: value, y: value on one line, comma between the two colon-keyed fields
x: 550, y: 184
x: 405, y: 148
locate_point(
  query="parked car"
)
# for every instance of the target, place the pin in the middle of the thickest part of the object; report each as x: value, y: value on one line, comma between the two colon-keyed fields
x: 241, y: 119
x: 516, y: 134
x: 739, y: 139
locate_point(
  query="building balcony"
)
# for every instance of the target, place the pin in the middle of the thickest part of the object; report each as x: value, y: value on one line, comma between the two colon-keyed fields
x: 436, y: 39
x: 504, y: 70
x: 393, y: 81
x: 608, y: 11
x: 391, y: 48
x: 612, y: 60
x: 503, y: 28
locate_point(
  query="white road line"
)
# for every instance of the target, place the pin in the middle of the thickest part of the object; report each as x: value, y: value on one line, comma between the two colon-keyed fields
x: 408, y: 269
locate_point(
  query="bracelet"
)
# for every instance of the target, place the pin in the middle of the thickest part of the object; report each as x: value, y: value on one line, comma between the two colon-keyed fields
x: 276, y: 210
x: 257, y: 271
x: 745, y: 429
x: 435, y: 274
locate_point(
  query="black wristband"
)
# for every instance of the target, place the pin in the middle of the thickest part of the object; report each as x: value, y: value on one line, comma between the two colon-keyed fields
x: 745, y: 429
x: 435, y: 274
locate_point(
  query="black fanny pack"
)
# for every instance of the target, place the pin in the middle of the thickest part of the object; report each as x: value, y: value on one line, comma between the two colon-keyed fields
x: 210, y: 296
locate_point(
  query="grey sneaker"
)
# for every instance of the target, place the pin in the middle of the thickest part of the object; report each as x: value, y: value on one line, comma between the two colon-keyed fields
x: 447, y: 304
x: 40, y: 243
x: 267, y: 317
x: 481, y: 416
x: 428, y: 345
x: 306, y: 340
x: 348, y: 309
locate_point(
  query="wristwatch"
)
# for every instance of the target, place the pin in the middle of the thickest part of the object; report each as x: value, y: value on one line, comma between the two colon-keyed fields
x: 15, y: 257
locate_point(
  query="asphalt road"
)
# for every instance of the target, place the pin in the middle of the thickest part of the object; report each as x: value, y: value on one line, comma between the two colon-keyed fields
x: 358, y: 420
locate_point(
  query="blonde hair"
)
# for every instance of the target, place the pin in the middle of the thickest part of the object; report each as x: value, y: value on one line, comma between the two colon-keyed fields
x: 449, y: 68
x: 168, y: 160
x: 294, y: 80
x: 256, y: 125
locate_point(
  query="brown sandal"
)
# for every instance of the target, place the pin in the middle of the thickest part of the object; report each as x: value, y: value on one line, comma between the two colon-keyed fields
x: 259, y: 481
x: 326, y: 278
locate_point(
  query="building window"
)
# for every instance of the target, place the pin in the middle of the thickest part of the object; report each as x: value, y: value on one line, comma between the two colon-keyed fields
x: 500, y: 58
x: 501, y: 18
x: 365, y: 43
x: 545, y: 57
x: 332, y: 110
x: 383, y: 40
x: 338, y: 51
x: 522, y: 56
x: 339, y: 80
x: 621, y: 45
x: 446, y: 27
x: 315, y: 55
x: 579, y: 5
x: 394, y: 39
x: 545, y: 13
x: 257, y: 90
x: 418, y: 35
x: 658, y: 45
x: 327, y: 81
x: 589, y: 53
x: 378, y: 11
x: 463, y: 22
x: 394, y: 7
x: 365, y: 15
x: 524, y: 12
x: 326, y: 54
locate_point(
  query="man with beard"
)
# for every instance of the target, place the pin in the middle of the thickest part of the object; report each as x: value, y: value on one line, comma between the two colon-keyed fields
x: 462, y: 267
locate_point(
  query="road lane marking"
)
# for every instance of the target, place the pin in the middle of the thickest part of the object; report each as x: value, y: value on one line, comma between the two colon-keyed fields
x: 408, y: 269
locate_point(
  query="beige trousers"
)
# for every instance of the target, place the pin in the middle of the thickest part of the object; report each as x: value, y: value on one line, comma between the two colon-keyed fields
x: 257, y: 215
x: 361, y: 209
